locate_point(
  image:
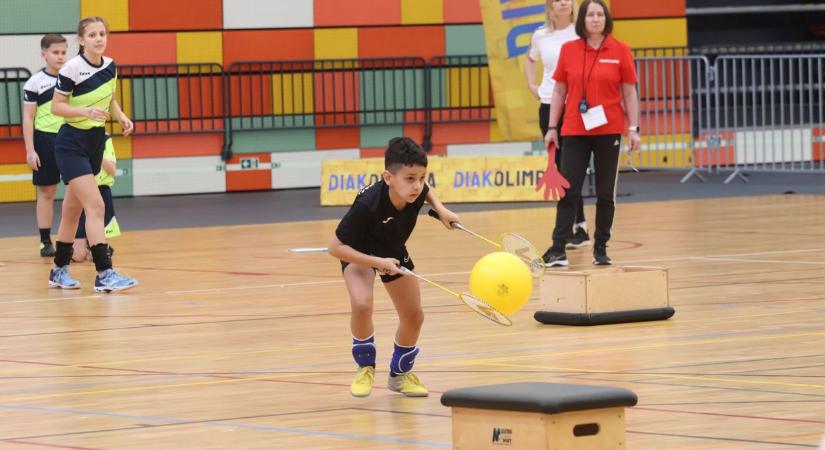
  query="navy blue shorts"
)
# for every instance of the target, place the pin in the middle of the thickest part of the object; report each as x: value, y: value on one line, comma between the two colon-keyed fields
x: 79, y: 152
x: 108, y: 202
x: 406, y: 261
x: 47, y: 174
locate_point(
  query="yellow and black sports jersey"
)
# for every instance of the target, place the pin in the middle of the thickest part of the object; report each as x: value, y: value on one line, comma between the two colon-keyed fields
x: 39, y: 90
x: 88, y: 86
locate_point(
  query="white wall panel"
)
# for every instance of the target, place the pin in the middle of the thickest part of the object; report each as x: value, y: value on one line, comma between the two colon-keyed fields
x: 491, y: 149
x: 185, y: 175
x: 267, y: 14
x: 303, y: 169
x: 24, y: 51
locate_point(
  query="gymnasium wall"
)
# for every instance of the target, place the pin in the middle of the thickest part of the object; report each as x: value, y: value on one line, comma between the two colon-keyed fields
x: 223, y: 32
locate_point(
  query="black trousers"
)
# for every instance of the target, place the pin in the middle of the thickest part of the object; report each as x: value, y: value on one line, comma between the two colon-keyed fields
x: 544, y: 124
x: 576, y: 151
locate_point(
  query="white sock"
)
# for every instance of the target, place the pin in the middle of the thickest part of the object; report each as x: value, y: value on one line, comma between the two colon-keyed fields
x: 582, y: 225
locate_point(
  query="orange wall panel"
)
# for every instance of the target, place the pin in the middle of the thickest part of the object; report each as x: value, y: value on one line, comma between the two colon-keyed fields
x: 425, y: 41
x: 200, y: 97
x: 633, y: 9
x: 338, y: 109
x: 337, y: 138
x: 142, y: 48
x: 251, y: 95
x: 249, y: 179
x: 12, y: 151
x: 267, y: 45
x: 462, y: 11
x: 175, y: 15
x: 169, y: 145
x: 357, y: 12
x: 461, y: 133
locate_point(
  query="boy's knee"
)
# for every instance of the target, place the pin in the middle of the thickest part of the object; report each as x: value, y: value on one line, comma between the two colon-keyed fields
x: 362, y: 306
x: 415, y: 318
x: 46, y: 192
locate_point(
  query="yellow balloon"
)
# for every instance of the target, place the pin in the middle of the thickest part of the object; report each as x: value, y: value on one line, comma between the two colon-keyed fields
x: 502, y: 280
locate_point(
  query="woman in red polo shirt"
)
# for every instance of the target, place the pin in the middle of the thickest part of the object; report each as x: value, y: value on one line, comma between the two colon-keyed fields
x: 595, y: 75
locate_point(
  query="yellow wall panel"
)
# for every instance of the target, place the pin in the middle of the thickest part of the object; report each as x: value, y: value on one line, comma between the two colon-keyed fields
x: 124, y: 98
x: 16, y: 183
x: 652, y: 32
x: 200, y: 47
x: 336, y: 43
x: 287, y: 90
x: 422, y: 11
x: 468, y: 86
x: 116, y: 12
x: 123, y: 146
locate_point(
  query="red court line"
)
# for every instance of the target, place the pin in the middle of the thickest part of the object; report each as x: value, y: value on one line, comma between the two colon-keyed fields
x: 738, y: 416
x: 43, y: 444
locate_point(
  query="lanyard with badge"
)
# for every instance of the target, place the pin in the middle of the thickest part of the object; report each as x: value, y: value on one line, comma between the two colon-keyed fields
x: 592, y: 117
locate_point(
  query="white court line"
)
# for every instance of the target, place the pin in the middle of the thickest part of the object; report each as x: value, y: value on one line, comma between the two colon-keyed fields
x: 322, y: 282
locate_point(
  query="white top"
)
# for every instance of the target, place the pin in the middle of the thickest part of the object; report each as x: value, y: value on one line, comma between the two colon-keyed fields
x: 546, y: 44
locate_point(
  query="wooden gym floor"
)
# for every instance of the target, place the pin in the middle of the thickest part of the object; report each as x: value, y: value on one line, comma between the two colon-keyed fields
x: 231, y: 342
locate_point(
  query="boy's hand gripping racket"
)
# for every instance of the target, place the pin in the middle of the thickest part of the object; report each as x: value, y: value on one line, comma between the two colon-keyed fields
x: 510, y: 243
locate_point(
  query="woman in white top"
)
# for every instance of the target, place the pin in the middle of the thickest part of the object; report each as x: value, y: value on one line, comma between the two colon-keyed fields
x: 545, y: 45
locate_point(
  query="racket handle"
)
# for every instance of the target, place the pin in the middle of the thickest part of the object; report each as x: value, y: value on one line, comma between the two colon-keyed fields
x: 435, y: 216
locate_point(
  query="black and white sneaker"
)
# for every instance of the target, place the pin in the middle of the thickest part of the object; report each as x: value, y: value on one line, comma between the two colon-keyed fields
x: 555, y: 258
x: 579, y: 239
x: 600, y: 257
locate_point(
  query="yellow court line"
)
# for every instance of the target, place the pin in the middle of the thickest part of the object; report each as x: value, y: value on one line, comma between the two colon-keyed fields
x: 153, y: 387
x: 642, y: 347
x: 683, y: 377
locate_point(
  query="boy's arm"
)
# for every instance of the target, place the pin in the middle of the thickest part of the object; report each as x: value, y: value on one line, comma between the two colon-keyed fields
x: 387, y: 266
x: 109, y: 166
x: 446, y: 216
x: 29, y: 110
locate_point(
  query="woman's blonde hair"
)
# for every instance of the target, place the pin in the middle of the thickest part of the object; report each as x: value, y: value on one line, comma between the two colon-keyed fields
x: 550, y: 16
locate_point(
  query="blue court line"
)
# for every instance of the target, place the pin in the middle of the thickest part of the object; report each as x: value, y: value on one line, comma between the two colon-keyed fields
x: 172, y: 420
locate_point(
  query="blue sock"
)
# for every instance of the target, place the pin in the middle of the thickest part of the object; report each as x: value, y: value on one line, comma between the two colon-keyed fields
x: 363, y: 351
x: 403, y: 359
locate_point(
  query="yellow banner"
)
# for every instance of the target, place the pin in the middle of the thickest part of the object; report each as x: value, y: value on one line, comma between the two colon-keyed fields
x: 455, y: 180
x: 508, y: 27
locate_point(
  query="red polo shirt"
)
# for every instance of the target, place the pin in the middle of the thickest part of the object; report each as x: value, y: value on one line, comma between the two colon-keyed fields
x: 613, y: 66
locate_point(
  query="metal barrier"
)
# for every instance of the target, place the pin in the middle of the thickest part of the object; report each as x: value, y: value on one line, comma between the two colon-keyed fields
x: 674, y: 111
x: 273, y: 95
x: 12, y: 81
x: 770, y: 108
x: 171, y: 98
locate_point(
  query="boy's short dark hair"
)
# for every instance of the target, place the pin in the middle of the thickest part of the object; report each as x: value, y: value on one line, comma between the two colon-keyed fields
x: 403, y: 151
x: 50, y: 39
x: 581, y: 30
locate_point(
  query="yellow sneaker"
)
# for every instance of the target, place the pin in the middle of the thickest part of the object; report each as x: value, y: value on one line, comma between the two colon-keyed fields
x: 362, y: 384
x: 407, y: 384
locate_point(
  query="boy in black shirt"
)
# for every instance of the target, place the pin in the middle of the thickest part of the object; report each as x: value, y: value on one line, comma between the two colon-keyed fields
x: 371, y: 238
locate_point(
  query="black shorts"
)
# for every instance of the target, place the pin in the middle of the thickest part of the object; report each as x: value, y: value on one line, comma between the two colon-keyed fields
x: 106, y: 193
x: 78, y: 152
x: 47, y: 174
x: 406, y: 261
x: 544, y: 125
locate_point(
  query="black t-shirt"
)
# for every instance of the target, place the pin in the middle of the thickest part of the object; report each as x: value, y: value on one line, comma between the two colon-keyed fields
x: 373, y: 225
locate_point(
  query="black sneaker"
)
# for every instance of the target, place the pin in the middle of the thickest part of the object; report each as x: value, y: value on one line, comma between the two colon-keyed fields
x: 46, y: 249
x: 579, y: 239
x: 555, y: 258
x: 600, y: 257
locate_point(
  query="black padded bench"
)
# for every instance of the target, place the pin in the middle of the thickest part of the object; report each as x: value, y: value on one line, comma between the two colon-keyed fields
x: 538, y: 416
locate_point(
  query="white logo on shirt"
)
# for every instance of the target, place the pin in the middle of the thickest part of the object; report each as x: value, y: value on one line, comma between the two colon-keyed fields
x: 609, y: 61
x: 616, y: 142
x: 387, y: 219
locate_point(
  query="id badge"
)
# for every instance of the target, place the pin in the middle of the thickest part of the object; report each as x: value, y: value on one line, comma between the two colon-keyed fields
x: 594, y: 118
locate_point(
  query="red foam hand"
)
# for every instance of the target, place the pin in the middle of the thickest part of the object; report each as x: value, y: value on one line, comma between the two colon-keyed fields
x: 552, y: 181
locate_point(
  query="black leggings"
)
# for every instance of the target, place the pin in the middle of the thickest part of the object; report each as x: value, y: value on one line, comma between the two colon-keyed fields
x: 544, y: 124
x: 576, y: 157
